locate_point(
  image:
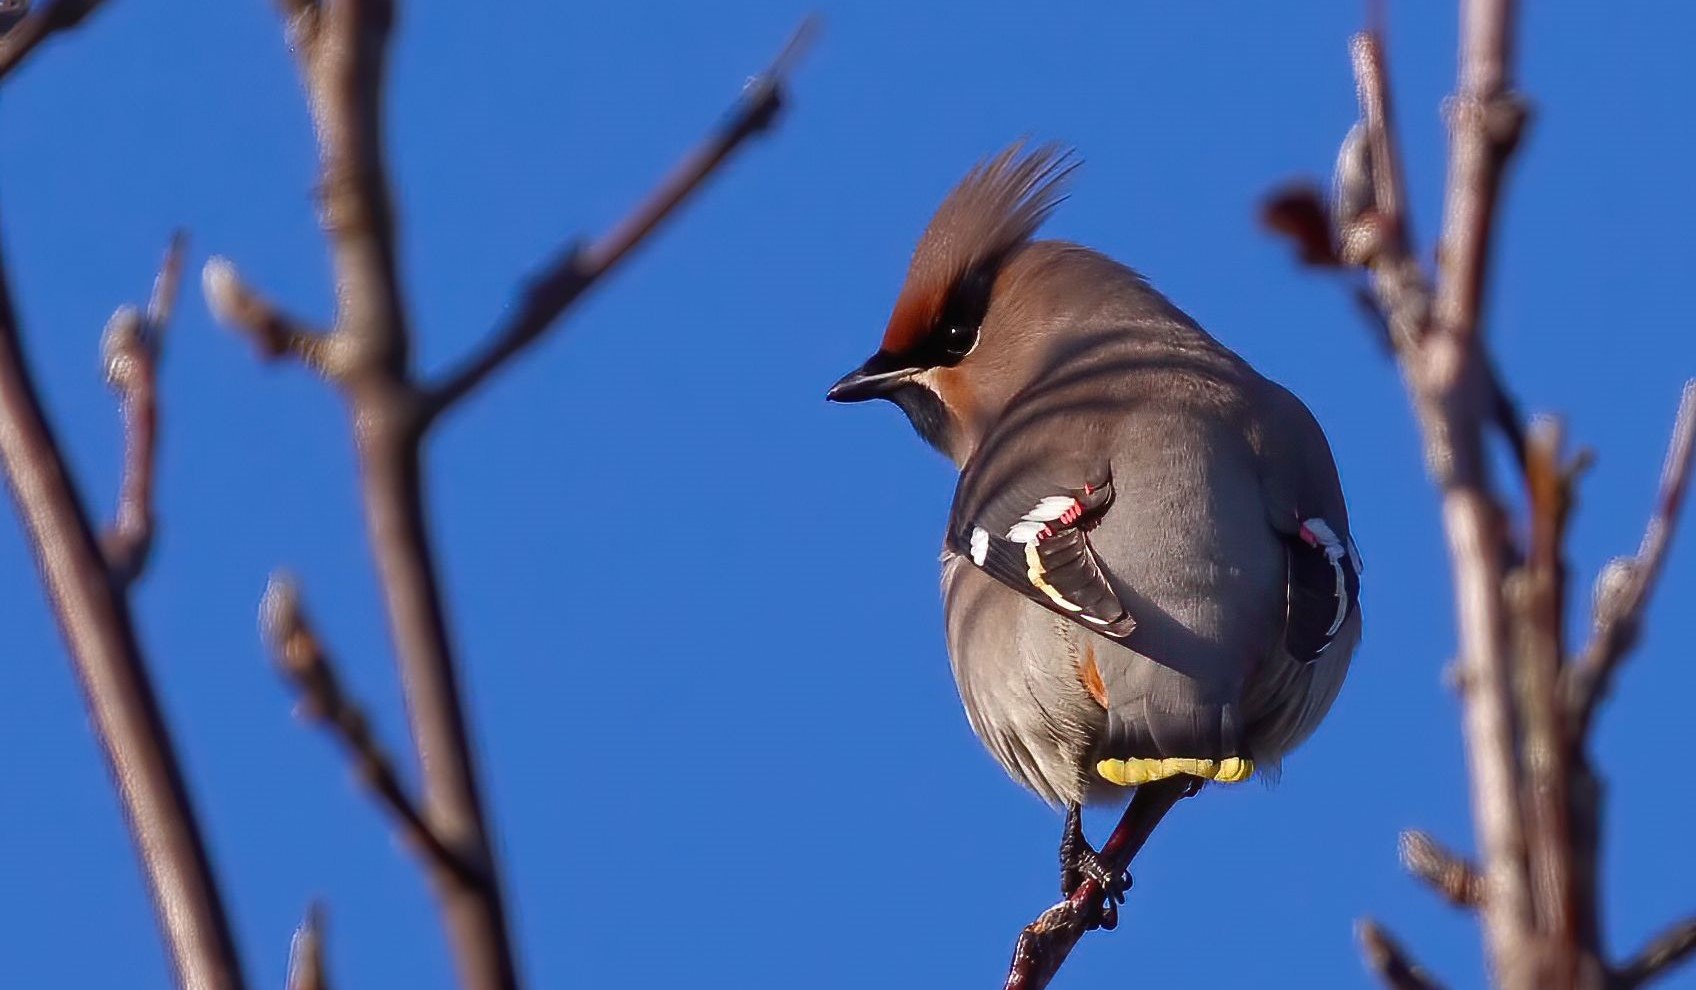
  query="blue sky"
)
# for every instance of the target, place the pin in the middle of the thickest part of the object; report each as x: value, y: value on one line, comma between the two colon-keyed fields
x: 698, y: 607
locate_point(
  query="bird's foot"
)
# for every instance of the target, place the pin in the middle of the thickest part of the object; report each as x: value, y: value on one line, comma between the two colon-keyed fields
x: 1080, y: 863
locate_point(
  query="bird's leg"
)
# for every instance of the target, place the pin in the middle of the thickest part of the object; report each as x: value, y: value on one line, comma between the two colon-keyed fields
x: 1108, y: 868
x: 1080, y: 862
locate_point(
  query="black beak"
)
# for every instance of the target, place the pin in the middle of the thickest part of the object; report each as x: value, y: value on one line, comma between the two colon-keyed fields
x: 875, y: 379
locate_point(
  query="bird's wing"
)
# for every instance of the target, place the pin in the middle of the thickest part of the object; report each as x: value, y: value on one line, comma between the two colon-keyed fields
x: 1324, y: 586
x: 1304, y: 504
x: 1032, y: 534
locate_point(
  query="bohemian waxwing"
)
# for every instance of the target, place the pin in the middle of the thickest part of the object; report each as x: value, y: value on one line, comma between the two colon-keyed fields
x: 1147, y: 570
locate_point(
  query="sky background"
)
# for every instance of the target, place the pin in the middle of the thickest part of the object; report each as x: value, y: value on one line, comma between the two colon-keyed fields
x: 697, y: 777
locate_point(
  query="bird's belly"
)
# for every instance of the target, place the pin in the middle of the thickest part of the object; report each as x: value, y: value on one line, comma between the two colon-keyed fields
x: 1051, y: 700
x: 1024, y: 679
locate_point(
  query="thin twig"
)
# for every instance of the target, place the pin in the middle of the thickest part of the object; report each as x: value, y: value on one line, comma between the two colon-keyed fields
x: 306, y: 953
x: 1447, y: 872
x: 1045, y: 943
x: 1379, y: 237
x: 274, y: 334
x: 1657, y: 959
x: 580, y: 266
x: 1386, y: 957
x: 300, y: 655
x: 132, y: 345
x: 1626, y: 586
x: 37, y: 26
x: 94, y: 617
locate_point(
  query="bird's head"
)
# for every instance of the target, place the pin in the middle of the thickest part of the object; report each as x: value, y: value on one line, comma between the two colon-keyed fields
x: 968, y: 328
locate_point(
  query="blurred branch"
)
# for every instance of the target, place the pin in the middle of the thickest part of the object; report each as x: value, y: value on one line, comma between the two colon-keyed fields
x: 300, y: 655
x: 94, y: 618
x: 1045, y: 943
x: 1536, y: 596
x: 37, y: 25
x: 1528, y: 712
x: 1664, y: 952
x: 1386, y: 957
x: 274, y: 333
x: 131, y: 346
x: 580, y: 266
x: 1449, y: 383
x: 306, y: 953
x: 1447, y: 872
x: 341, y: 47
x: 1625, y: 587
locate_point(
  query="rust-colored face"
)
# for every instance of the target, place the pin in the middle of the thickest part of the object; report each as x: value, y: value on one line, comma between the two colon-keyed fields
x: 938, y: 317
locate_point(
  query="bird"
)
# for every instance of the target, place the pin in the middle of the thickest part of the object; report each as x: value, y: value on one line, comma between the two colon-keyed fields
x: 1148, y: 572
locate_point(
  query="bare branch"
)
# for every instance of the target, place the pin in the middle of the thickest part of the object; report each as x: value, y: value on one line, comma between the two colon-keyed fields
x: 131, y: 347
x: 306, y: 953
x: 1624, y: 588
x: 300, y: 656
x: 37, y: 26
x: 1378, y: 236
x: 1664, y: 953
x: 94, y: 618
x: 1386, y: 957
x: 341, y: 49
x: 1449, y: 873
x: 1486, y: 121
x: 1045, y: 943
x: 1536, y: 596
x: 274, y: 333
x: 1450, y: 385
x: 580, y: 266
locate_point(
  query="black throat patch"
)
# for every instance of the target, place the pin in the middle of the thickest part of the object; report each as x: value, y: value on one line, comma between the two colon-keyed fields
x: 928, y: 415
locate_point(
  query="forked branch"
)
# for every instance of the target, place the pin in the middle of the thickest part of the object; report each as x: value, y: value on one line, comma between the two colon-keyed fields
x: 1527, y: 710
x: 341, y: 49
x: 131, y: 346
x: 94, y: 618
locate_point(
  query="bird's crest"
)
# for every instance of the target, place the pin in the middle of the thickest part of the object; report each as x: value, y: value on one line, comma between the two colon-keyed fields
x: 997, y: 207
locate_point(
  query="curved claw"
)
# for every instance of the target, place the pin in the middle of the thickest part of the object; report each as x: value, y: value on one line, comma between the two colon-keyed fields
x: 1080, y: 863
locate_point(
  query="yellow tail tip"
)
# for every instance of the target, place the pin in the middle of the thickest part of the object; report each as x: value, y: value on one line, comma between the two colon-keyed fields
x: 1132, y: 772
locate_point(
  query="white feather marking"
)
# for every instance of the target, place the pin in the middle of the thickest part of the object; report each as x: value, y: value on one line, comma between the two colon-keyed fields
x: 1050, y: 508
x: 1334, y: 552
x: 980, y: 545
x: 1026, y: 531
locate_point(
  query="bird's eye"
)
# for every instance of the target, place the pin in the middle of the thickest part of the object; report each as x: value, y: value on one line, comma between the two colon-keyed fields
x: 958, y: 340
